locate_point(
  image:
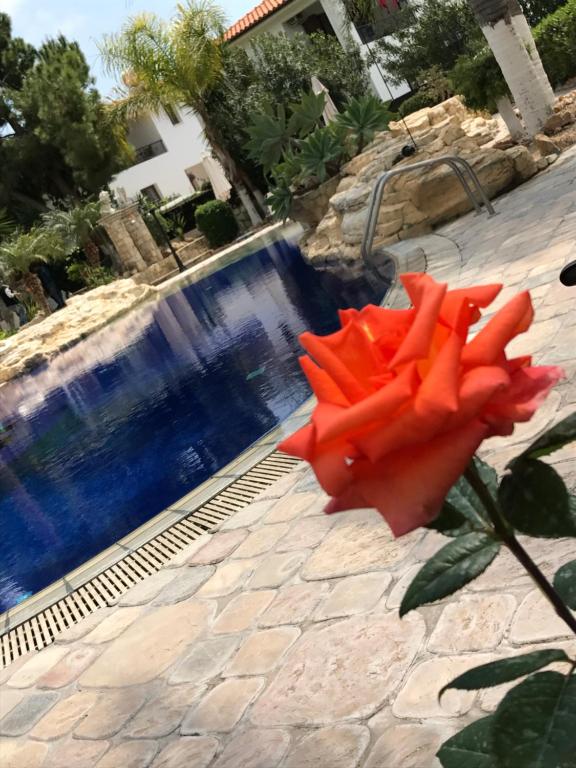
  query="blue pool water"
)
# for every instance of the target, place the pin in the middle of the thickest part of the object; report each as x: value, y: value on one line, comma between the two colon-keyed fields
x: 125, y: 423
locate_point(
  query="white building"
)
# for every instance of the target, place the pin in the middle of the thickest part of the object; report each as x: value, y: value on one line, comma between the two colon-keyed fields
x: 169, y: 147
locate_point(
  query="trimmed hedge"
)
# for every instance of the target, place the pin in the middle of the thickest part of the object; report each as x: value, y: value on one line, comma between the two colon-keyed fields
x: 556, y: 41
x: 419, y: 100
x: 217, y: 223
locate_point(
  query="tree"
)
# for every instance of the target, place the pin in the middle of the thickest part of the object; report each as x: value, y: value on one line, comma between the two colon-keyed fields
x: 55, y: 140
x: 172, y: 64
x: 76, y: 228
x: 435, y: 37
x: 21, y: 253
x: 276, y: 73
x: 510, y: 38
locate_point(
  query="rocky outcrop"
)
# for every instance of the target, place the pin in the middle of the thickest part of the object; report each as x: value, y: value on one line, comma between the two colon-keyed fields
x: 413, y: 203
x: 36, y: 343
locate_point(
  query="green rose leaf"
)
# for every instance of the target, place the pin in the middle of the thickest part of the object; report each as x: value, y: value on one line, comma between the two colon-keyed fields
x: 471, y: 747
x: 535, y: 724
x: 463, y: 511
x: 455, y: 565
x: 504, y: 670
x: 565, y: 584
x: 555, y: 438
x: 535, y: 500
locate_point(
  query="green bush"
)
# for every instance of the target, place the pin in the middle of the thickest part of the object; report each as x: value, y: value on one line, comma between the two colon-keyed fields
x: 479, y: 79
x: 419, y: 100
x: 556, y: 41
x: 217, y: 223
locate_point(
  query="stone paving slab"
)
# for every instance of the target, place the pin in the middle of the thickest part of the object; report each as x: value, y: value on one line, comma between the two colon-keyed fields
x: 275, y: 642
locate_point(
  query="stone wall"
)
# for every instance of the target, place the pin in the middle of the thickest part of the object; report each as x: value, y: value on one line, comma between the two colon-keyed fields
x: 135, y: 247
x: 413, y: 204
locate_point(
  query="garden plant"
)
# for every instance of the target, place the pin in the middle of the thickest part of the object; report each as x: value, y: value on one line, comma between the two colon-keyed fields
x: 405, y: 400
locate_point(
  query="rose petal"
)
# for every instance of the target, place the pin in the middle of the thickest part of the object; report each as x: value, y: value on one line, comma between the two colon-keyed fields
x: 323, y: 386
x: 439, y: 389
x: 375, y: 408
x: 347, y: 357
x: 528, y: 389
x: 427, y: 296
x: 514, y: 318
x: 410, y: 486
x: 474, y: 297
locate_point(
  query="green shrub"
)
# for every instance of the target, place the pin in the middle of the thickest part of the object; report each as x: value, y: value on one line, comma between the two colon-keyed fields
x: 479, y: 79
x: 217, y: 223
x: 419, y: 100
x: 88, y: 276
x: 363, y: 118
x: 556, y: 41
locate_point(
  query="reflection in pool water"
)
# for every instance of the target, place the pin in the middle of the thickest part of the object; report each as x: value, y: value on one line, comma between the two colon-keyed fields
x: 127, y: 422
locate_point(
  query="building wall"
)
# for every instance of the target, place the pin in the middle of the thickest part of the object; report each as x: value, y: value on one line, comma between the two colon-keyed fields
x: 184, y: 142
x: 278, y: 22
x: 185, y: 146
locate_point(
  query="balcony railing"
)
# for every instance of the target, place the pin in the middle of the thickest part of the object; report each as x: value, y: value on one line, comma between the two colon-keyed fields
x: 149, y: 151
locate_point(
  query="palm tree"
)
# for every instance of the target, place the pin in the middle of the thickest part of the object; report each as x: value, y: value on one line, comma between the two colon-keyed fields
x: 21, y: 252
x: 172, y: 64
x: 76, y: 228
x: 6, y: 224
x: 508, y: 33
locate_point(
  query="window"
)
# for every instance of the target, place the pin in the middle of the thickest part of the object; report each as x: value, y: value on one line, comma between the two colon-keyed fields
x: 151, y: 193
x: 389, y: 16
x: 173, y: 115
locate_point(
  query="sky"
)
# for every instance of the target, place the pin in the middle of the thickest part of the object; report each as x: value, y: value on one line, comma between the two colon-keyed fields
x: 87, y: 20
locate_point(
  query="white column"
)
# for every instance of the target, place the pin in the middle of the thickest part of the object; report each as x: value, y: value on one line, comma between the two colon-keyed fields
x: 530, y: 90
x: 513, y: 123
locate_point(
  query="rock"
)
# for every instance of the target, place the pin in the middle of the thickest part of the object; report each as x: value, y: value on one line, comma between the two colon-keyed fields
x: 311, y: 207
x: 39, y: 342
x: 557, y: 121
x: 222, y: 707
x: 341, y: 746
x: 414, y: 203
x: 351, y: 199
x: 451, y: 132
x: 253, y: 749
x: 341, y: 672
x: 262, y: 651
x: 149, y: 647
x: 360, y: 543
x: 545, y: 146
x: 241, y: 612
x: 525, y: 165
x: 188, y: 752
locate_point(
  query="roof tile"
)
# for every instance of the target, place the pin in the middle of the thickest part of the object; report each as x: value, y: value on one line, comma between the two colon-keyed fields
x: 254, y: 17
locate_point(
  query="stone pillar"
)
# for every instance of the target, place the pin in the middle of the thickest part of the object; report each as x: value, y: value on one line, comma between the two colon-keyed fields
x: 140, y: 234
x: 132, y: 240
x: 130, y: 260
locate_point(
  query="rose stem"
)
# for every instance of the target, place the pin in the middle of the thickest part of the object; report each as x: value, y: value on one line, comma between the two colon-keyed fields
x: 507, y: 535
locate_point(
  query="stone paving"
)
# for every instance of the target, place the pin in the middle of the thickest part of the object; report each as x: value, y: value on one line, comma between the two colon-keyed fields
x: 276, y: 640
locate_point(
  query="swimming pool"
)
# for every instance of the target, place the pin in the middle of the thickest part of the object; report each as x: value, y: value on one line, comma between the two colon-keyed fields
x: 128, y: 421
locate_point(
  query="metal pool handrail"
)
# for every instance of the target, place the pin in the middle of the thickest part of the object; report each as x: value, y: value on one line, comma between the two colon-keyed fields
x: 457, y: 164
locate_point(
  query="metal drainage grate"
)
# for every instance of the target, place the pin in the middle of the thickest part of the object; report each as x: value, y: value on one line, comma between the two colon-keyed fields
x: 105, y: 588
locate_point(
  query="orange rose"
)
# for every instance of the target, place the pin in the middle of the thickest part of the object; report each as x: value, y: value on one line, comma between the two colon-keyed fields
x: 404, y: 399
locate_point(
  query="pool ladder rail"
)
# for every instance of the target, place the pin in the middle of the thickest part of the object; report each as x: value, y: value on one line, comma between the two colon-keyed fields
x: 463, y: 171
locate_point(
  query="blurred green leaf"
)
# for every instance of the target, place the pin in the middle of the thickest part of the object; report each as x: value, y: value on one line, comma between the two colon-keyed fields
x: 535, y: 500
x: 463, y: 511
x: 456, y: 564
x: 504, y: 670
x: 555, y: 438
x: 535, y: 723
x: 306, y: 114
x: 565, y: 584
x: 470, y: 748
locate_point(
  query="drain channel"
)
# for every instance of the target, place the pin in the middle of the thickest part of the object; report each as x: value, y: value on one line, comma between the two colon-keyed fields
x: 105, y: 588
